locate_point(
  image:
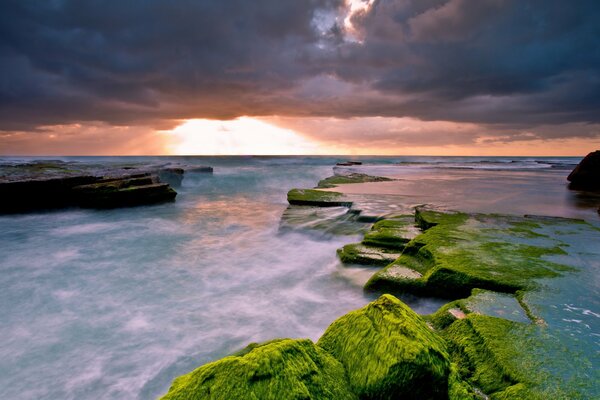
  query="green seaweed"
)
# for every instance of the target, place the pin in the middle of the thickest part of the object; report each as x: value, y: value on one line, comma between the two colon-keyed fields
x: 319, y: 198
x: 277, y: 370
x: 389, y: 352
x: 393, y: 233
x: 459, y: 252
x: 335, y: 180
x: 357, y: 253
x: 504, y: 358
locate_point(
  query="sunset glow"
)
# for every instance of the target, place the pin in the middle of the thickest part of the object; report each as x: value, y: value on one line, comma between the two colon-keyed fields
x: 241, y: 136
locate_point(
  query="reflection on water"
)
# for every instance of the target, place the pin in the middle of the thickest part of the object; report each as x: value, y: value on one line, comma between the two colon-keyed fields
x: 114, y: 304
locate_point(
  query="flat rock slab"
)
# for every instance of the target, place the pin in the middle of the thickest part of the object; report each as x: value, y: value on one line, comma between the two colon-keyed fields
x: 392, y: 232
x: 317, y: 198
x: 494, y: 304
x: 458, y: 252
x: 52, y: 184
x: 357, y: 253
x: 342, y: 179
x: 114, y: 193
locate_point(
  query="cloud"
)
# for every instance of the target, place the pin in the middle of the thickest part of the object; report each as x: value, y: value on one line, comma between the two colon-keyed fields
x: 513, y: 63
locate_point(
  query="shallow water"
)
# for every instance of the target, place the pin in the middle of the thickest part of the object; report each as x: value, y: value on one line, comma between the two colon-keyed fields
x: 115, y: 304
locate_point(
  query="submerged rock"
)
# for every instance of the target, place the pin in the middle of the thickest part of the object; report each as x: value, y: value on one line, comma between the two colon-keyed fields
x: 389, y: 352
x: 509, y: 360
x: 586, y: 175
x: 320, y: 221
x: 277, y: 370
x: 317, y: 198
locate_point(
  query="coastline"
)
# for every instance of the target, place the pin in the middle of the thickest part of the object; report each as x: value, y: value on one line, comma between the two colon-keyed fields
x: 237, y: 215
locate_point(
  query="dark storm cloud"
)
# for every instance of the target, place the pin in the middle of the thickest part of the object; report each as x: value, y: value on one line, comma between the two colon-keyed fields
x: 520, y: 63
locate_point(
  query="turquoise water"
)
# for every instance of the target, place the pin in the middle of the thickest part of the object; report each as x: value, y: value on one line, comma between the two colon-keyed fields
x: 115, y: 304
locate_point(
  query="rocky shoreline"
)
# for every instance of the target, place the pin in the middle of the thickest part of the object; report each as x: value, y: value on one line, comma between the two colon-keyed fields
x: 45, y: 185
x: 490, y: 340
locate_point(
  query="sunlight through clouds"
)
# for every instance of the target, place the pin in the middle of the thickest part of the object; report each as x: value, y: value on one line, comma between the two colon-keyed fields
x: 241, y: 136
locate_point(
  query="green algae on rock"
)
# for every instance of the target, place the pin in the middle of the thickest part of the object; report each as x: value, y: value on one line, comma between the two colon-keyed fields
x: 335, y: 180
x: 389, y: 352
x: 459, y: 252
x: 392, y: 233
x: 276, y: 370
x: 358, y: 253
x: 317, y: 198
x: 508, y: 360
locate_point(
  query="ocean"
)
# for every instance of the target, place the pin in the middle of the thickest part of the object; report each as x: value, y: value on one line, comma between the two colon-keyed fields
x: 114, y: 304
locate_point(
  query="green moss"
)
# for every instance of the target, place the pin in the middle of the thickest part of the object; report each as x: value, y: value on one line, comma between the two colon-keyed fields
x: 393, y: 233
x: 389, y: 352
x: 357, y: 253
x: 280, y: 369
x: 505, y: 358
x: 459, y: 252
x: 458, y: 389
x: 319, y: 198
x: 335, y: 180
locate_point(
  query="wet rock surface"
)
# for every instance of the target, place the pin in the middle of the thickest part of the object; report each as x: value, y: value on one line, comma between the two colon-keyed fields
x: 586, y: 175
x: 53, y: 184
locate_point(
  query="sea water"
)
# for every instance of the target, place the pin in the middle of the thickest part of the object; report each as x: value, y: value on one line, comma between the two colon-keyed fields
x: 114, y: 304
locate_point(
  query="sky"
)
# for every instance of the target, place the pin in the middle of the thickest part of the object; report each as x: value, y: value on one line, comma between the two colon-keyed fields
x: 405, y: 77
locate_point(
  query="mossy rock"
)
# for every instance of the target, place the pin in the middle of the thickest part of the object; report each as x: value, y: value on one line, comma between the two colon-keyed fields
x: 508, y: 360
x: 357, y: 253
x: 392, y: 233
x: 459, y: 252
x: 317, y: 198
x: 277, y: 370
x: 389, y: 352
x: 335, y: 180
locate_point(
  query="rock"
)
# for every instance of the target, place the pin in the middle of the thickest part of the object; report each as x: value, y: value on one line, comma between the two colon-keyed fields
x: 335, y: 180
x: 586, y: 175
x: 392, y: 233
x: 508, y: 360
x: 279, y: 369
x: 357, y: 253
x: 172, y: 176
x: 389, y: 352
x: 458, y: 252
x: 126, y: 192
x: 349, y: 163
x: 40, y: 194
x: 317, y: 198
x: 201, y: 169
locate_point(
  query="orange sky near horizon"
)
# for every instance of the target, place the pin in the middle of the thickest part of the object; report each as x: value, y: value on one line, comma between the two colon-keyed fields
x: 286, y: 136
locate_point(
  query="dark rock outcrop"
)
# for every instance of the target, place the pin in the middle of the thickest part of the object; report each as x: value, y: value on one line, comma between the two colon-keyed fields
x: 126, y: 192
x: 348, y: 163
x: 83, y: 191
x: 40, y: 194
x: 586, y: 175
